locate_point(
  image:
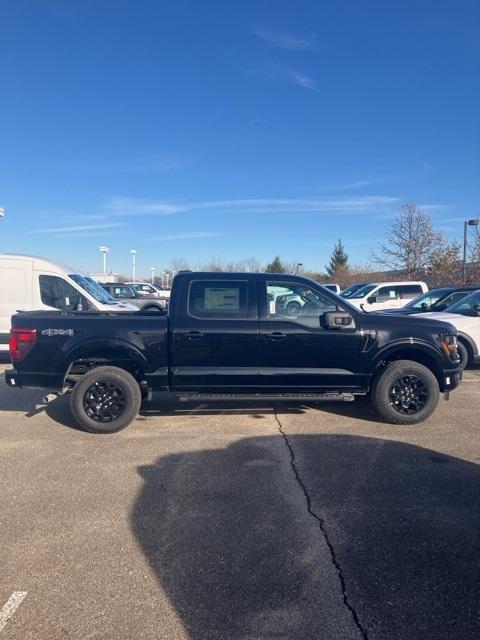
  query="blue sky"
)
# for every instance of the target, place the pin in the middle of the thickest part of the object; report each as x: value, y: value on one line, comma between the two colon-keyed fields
x: 231, y: 129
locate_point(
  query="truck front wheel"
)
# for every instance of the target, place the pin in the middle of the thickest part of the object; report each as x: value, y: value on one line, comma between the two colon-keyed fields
x: 105, y: 400
x: 405, y: 392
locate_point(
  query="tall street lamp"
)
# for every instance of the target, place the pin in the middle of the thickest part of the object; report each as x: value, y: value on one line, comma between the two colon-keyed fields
x: 104, y: 251
x: 152, y: 271
x: 466, y: 224
x: 133, y: 253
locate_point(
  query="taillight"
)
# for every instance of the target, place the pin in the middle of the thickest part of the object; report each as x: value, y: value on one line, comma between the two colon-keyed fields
x: 21, y: 341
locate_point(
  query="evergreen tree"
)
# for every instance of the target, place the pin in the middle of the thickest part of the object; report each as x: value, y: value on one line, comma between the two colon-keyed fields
x: 276, y: 266
x: 338, y: 259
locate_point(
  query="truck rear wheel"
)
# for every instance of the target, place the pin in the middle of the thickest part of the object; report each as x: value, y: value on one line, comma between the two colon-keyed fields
x: 405, y: 392
x: 105, y: 400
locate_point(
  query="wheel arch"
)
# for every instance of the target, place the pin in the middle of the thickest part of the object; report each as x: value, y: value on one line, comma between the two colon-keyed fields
x: 95, y: 353
x: 468, y: 343
x: 416, y: 353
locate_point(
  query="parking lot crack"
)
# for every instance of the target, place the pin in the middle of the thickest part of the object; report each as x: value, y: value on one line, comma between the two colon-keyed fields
x: 322, y: 527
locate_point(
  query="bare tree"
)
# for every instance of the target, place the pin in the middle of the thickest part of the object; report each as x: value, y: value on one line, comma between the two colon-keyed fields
x: 178, y: 264
x: 253, y: 265
x: 409, y: 243
x: 444, y: 263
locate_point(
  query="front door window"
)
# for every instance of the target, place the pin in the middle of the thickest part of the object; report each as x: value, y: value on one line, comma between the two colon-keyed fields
x: 296, y: 302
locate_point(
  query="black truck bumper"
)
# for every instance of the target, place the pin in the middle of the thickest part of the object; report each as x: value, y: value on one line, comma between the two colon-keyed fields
x: 452, y: 379
x: 25, y: 380
x: 12, y: 379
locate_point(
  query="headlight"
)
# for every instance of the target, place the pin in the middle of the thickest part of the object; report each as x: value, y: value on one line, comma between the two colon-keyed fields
x: 449, y: 344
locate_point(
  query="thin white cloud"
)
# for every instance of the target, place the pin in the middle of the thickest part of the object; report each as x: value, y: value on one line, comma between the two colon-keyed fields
x: 347, y: 205
x: 284, y: 40
x: 285, y: 74
x: 358, y: 184
x: 90, y: 234
x: 142, y: 205
x: 301, y: 79
x: 85, y: 227
x: 189, y: 235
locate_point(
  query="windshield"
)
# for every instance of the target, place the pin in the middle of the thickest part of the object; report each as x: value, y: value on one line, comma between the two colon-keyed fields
x: 468, y: 306
x: 428, y: 298
x: 363, y: 291
x: 93, y: 288
x: 346, y: 293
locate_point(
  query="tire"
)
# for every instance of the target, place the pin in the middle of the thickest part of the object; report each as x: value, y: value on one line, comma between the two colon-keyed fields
x: 464, y: 354
x: 116, y: 389
x: 405, y: 392
x: 293, y: 308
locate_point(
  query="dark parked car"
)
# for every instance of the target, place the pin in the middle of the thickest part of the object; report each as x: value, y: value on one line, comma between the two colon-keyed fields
x: 352, y: 288
x: 126, y: 292
x: 433, y: 300
x: 225, y: 338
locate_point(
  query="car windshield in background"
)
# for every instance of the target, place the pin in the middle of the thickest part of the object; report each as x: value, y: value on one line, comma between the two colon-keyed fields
x: 93, y: 288
x: 361, y: 293
x: 347, y: 293
x: 429, y: 298
x: 468, y: 306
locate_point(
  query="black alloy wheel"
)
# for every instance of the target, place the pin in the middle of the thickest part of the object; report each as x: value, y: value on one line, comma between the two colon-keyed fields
x: 409, y: 395
x: 104, y: 402
x: 105, y: 399
x: 405, y: 392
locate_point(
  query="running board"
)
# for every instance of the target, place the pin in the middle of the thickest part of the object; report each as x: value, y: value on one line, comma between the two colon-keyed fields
x: 271, y: 397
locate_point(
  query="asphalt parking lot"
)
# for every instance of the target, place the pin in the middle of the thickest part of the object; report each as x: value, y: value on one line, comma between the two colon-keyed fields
x: 240, y: 522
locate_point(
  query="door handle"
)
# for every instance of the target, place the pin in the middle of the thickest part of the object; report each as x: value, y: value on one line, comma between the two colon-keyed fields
x: 194, y: 335
x: 276, y: 335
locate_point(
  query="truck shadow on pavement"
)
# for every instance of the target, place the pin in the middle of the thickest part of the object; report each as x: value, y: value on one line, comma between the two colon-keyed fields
x: 330, y: 537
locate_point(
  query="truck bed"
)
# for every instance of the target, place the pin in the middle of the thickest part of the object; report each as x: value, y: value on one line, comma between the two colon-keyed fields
x: 64, y: 338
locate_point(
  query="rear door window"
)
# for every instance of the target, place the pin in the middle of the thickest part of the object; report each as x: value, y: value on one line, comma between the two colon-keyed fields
x: 409, y: 291
x: 218, y: 299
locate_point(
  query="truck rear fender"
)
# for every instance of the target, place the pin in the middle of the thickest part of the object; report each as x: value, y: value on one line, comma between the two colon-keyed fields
x: 99, y: 352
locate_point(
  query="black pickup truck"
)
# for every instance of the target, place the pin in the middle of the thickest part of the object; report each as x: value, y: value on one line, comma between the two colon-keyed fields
x: 235, y: 336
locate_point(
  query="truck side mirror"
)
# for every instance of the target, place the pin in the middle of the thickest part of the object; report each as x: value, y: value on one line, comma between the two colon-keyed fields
x: 337, y: 320
x: 476, y: 309
x: 372, y: 299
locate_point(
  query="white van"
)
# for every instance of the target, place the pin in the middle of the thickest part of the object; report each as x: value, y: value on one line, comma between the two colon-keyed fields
x: 29, y: 282
x: 378, y: 296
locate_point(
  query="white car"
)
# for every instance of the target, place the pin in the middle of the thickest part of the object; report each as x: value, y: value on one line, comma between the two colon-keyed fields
x: 333, y: 287
x: 378, y: 296
x: 465, y: 317
x: 145, y: 289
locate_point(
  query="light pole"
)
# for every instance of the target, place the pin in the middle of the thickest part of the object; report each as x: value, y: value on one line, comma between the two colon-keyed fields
x: 133, y: 253
x: 152, y: 271
x: 104, y: 250
x: 468, y: 223
x: 298, y: 269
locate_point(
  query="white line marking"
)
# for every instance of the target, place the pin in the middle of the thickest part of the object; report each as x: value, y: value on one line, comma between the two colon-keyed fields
x: 11, y: 606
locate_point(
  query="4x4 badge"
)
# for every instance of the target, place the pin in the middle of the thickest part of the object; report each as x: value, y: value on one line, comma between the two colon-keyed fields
x: 58, y: 332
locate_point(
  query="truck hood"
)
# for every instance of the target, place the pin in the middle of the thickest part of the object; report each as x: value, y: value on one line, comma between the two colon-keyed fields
x: 443, y: 322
